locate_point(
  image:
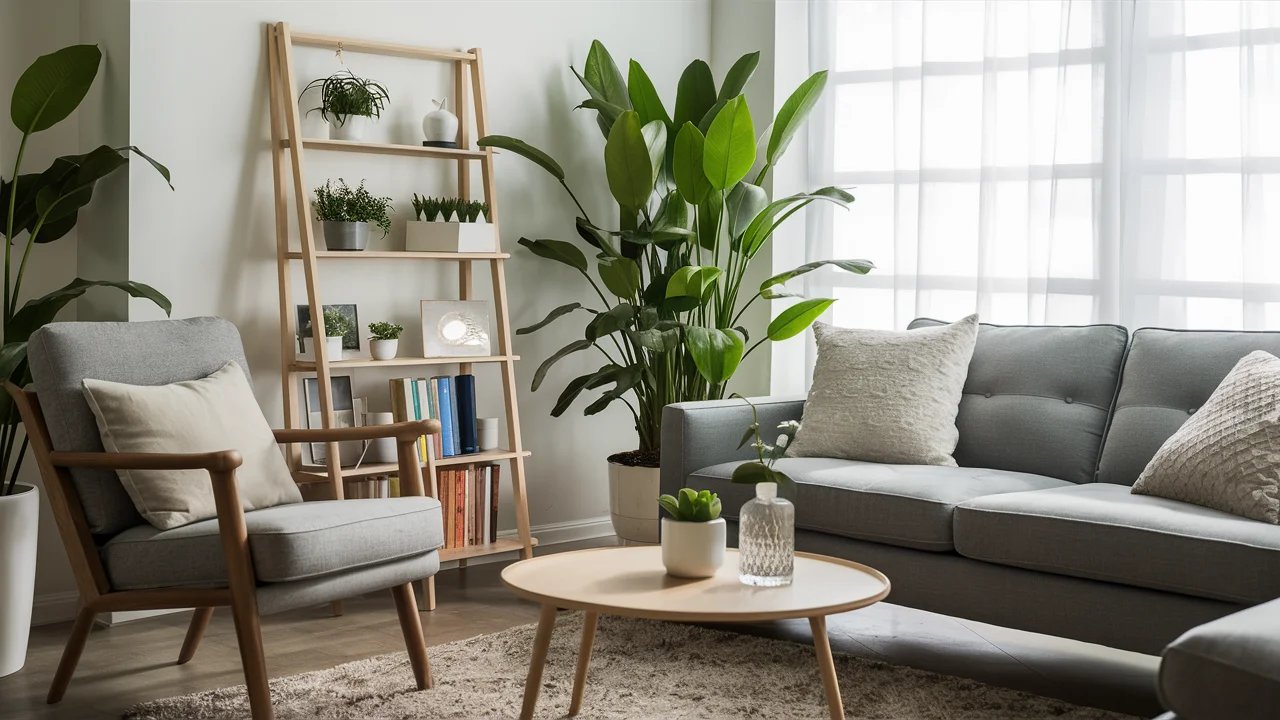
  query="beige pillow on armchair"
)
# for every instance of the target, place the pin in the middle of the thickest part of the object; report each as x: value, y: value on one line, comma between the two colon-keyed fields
x: 218, y: 412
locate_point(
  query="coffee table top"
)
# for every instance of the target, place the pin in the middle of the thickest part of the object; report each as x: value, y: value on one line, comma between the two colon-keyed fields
x: 631, y: 581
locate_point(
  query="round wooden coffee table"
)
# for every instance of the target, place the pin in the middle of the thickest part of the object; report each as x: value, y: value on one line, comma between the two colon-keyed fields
x: 631, y: 581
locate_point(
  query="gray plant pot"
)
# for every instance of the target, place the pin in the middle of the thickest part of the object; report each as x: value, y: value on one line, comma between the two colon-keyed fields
x: 344, y: 235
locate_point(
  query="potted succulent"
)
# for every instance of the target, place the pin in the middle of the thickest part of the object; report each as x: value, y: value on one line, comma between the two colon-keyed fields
x: 672, y: 265
x: 693, y: 537
x: 384, y: 340
x: 347, y: 213
x: 348, y: 103
x: 450, y: 225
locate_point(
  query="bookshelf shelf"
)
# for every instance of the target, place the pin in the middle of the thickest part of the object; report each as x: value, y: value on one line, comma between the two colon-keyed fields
x: 288, y: 152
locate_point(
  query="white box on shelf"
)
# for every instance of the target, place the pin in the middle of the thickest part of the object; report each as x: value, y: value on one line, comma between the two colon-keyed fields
x: 437, y: 236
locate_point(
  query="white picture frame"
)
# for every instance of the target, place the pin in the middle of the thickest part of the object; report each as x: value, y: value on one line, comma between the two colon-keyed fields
x: 455, y: 328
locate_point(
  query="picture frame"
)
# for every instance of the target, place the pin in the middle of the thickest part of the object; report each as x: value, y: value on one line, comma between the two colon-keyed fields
x: 350, y: 341
x: 348, y: 411
x: 455, y: 328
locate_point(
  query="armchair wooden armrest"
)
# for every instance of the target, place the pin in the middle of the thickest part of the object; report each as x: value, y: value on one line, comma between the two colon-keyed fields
x: 221, y: 460
x: 411, y: 430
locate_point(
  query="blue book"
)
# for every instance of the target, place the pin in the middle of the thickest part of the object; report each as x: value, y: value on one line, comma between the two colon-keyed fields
x: 446, y: 417
x: 453, y: 412
x: 465, y: 398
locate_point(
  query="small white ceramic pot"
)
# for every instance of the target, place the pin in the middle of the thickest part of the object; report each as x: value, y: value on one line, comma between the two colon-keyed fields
x: 693, y: 549
x: 383, y: 349
x: 487, y: 433
x: 19, y: 519
x: 333, y: 348
x: 350, y: 129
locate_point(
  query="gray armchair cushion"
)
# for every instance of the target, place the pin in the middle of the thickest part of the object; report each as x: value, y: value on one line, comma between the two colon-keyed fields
x: 1168, y: 375
x: 1036, y: 398
x: 904, y: 505
x: 287, y: 543
x: 1228, y: 668
x: 1102, y: 532
x: 62, y: 355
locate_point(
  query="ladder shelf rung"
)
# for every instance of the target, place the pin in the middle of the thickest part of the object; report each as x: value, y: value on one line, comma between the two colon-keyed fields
x: 310, y: 365
x: 399, y: 255
x: 320, y: 473
x: 388, y: 149
x: 378, y: 48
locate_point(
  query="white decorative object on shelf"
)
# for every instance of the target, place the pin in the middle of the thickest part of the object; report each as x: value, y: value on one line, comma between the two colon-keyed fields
x: 440, y: 127
x: 382, y: 450
x: 437, y: 236
x: 455, y: 328
x: 487, y: 431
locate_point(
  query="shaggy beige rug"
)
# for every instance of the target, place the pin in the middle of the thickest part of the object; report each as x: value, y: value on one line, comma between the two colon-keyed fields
x: 639, y: 669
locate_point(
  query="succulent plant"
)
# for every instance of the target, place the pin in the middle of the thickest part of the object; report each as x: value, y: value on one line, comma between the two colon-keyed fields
x: 449, y: 209
x: 692, y: 505
x: 385, y: 330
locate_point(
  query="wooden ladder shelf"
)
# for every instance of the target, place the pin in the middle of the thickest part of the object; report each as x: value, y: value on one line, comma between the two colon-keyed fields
x: 288, y: 151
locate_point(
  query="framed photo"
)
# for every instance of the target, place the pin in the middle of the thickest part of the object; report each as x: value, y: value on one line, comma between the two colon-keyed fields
x: 347, y: 412
x: 350, y: 341
x: 455, y: 328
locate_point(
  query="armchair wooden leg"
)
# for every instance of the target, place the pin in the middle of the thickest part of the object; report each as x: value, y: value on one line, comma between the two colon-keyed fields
x: 411, y: 626
x: 71, y: 654
x: 195, y: 631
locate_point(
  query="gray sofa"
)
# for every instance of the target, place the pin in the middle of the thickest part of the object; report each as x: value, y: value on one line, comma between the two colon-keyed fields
x: 1036, y: 528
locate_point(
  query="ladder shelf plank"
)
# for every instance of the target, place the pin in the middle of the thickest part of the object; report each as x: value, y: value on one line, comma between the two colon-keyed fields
x: 388, y: 149
x: 398, y: 255
x: 513, y: 544
x: 320, y: 473
x: 310, y: 365
x: 374, y: 47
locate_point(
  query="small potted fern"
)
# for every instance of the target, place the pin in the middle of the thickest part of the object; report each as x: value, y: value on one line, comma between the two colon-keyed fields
x: 384, y: 340
x: 347, y: 213
x: 450, y: 225
x: 693, y: 538
x: 348, y: 103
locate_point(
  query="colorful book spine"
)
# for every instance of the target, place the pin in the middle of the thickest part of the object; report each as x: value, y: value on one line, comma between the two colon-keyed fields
x: 433, y: 396
x: 447, y: 427
x: 465, y: 400
x: 459, y: 502
x: 424, y: 403
x: 493, y: 509
x: 453, y: 411
x: 406, y: 392
x: 486, y: 502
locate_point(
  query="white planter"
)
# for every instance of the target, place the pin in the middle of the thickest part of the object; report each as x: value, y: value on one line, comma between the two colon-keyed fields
x: 437, y: 236
x: 333, y: 348
x: 692, y: 549
x: 633, y: 502
x: 383, y: 349
x: 351, y: 129
x: 19, y: 517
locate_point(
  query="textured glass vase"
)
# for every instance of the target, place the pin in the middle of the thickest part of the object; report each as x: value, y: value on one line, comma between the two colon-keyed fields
x: 766, y: 539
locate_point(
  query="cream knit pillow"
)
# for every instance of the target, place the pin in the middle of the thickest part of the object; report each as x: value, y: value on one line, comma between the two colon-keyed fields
x: 1227, y: 455
x: 887, y: 396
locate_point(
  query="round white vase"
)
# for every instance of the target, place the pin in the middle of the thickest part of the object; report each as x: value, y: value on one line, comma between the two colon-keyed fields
x: 633, y: 502
x: 351, y: 129
x: 19, y: 518
x: 693, y: 549
x: 383, y: 349
x: 440, y: 127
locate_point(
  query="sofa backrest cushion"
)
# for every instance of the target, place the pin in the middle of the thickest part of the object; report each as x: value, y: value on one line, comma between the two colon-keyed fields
x: 1168, y: 375
x: 63, y: 355
x: 1037, y: 398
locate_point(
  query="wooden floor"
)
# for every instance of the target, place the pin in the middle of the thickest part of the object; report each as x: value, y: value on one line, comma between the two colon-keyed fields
x: 135, y: 662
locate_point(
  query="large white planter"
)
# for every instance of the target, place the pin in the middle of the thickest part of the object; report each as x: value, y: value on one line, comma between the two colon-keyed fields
x: 693, y: 549
x: 19, y: 517
x: 633, y: 502
x: 439, y: 236
x: 351, y: 129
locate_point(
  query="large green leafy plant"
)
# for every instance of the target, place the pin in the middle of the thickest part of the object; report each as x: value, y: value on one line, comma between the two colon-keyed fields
x: 45, y: 206
x: 669, y: 273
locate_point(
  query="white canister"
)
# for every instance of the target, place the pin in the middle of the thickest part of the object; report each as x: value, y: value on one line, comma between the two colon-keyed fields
x: 381, y: 450
x: 487, y: 432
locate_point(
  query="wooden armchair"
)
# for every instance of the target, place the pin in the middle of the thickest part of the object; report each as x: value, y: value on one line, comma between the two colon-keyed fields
x: 257, y: 562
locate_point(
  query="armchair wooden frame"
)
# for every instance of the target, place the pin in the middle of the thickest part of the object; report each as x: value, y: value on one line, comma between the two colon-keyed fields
x: 97, y: 596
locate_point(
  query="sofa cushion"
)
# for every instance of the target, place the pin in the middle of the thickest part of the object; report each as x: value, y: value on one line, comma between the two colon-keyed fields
x: 1168, y: 375
x: 1036, y: 398
x: 906, y: 505
x: 1228, y: 668
x: 1103, y: 532
x: 287, y: 542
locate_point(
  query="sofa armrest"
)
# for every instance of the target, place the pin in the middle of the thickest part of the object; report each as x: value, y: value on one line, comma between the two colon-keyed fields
x: 698, y: 434
x: 1227, y: 668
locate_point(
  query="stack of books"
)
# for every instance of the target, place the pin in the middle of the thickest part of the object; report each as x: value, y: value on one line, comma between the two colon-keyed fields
x: 468, y: 497
x: 451, y: 400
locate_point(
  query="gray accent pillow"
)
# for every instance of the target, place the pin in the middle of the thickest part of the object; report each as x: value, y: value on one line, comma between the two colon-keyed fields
x: 1227, y: 455
x: 218, y: 412
x: 887, y: 396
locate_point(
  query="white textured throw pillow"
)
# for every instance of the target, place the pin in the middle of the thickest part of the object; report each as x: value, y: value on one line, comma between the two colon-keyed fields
x: 887, y: 396
x: 1227, y: 455
x: 215, y: 413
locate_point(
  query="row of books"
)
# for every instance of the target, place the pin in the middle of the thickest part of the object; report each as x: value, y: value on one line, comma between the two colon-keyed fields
x: 451, y: 400
x: 379, y: 486
x: 468, y: 497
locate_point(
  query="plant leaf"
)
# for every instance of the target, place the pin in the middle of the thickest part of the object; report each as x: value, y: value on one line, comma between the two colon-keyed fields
x: 730, y: 149
x: 603, y: 74
x: 793, y: 114
x: 795, y: 319
x: 618, y: 317
x: 736, y: 79
x: 709, y: 211
x: 705, y: 123
x: 608, y: 112
x: 750, y: 433
x: 627, y: 162
x: 751, y: 473
x: 693, y: 281
x: 644, y: 98
x: 655, y: 139
x: 686, y: 164
x: 744, y: 203
x: 578, y: 384
x: 695, y: 93
x: 569, y: 349
x: 524, y: 150
x: 624, y: 380
x: 52, y: 87
x: 861, y: 267
x: 621, y: 276
x: 551, y: 316
x: 767, y: 220
x: 671, y: 505
x: 558, y: 250
x: 38, y: 312
x: 716, y: 353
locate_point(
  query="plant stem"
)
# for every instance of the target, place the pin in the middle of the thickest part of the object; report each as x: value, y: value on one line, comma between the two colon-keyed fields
x: 575, y: 201
x: 8, y: 244
x: 735, y: 319
x: 763, y: 171
x: 17, y: 465
x: 22, y: 267
x: 753, y: 347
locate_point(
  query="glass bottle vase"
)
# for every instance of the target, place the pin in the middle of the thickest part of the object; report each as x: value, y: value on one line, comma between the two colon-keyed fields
x: 766, y: 539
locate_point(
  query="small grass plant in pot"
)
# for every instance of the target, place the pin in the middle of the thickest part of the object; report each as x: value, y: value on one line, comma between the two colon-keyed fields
x: 693, y: 538
x: 348, y: 103
x: 384, y: 340
x: 347, y: 213
x: 450, y: 225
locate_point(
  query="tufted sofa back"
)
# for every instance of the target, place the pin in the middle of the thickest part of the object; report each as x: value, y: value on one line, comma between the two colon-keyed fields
x: 1037, y: 398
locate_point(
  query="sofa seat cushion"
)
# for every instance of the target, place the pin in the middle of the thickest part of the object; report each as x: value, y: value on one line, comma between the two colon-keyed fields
x: 905, y: 505
x: 1228, y: 668
x: 1103, y: 532
x: 286, y: 542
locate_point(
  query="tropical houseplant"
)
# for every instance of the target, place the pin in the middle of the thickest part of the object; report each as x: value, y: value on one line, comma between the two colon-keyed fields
x: 348, y: 103
x: 346, y: 214
x: 44, y: 206
x: 669, y: 267
x: 450, y: 225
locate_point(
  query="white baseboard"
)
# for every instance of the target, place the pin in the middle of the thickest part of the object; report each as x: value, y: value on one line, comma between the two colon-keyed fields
x: 62, y: 606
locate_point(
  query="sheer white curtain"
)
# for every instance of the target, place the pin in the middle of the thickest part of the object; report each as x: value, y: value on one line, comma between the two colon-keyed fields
x: 1050, y: 161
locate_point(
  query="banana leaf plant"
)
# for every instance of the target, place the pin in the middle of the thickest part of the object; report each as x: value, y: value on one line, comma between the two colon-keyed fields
x: 41, y: 208
x: 668, y: 267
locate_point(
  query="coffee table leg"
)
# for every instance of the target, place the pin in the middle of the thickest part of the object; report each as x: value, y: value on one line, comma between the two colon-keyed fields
x: 584, y: 659
x: 541, y: 643
x: 827, y: 666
